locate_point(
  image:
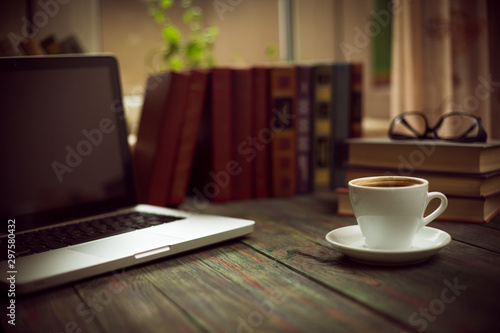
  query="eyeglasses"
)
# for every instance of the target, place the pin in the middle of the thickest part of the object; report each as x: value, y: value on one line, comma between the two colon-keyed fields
x: 452, y: 126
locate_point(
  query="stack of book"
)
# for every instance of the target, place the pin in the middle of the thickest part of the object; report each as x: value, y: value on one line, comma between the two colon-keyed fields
x: 15, y: 45
x: 239, y: 133
x: 467, y: 173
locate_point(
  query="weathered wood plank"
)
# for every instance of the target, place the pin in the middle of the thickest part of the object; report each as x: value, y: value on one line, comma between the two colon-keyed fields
x: 232, y: 288
x: 485, y: 236
x: 50, y: 311
x: 283, y: 277
x: 292, y: 232
x: 125, y: 301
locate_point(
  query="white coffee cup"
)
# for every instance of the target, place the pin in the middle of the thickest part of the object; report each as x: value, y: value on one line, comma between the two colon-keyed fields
x: 390, y: 209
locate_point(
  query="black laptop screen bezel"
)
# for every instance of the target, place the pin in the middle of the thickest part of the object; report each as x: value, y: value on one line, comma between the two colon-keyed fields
x: 129, y: 197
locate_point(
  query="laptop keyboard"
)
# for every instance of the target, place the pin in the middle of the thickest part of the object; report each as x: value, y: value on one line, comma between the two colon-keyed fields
x: 58, y: 237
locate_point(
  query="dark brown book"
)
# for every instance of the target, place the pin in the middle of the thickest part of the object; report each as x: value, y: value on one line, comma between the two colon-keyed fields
x: 449, y: 183
x: 460, y: 208
x: 283, y: 146
x: 71, y: 44
x: 242, y: 121
x: 155, y: 101
x: 340, y: 122
x: 10, y: 46
x: 262, y: 133
x: 31, y: 46
x: 356, y: 105
x: 196, y: 97
x: 346, y: 118
x: 221, y: 130
x: 169, y: 140
x: 407, y: 156
x: 159, y: 134
x: 50, y: 45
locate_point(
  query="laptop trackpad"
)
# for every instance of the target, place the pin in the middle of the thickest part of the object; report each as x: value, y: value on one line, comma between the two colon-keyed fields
x: 126, y: 245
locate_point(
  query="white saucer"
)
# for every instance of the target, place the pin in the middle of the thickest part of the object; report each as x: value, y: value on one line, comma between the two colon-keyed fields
x: 349, y: 241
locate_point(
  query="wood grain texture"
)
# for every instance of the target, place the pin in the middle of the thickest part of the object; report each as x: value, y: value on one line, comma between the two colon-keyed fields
x: 127, y: 302
x: 295, y: 238
x: 284, y: 277
x: 235, y: 288
x: 51, y: 311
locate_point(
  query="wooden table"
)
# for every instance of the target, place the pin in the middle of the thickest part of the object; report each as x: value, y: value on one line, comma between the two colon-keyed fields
x: 283, y: 278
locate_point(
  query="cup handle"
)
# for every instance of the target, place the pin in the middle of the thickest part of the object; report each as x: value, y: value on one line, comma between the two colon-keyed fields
x: 444, y: 203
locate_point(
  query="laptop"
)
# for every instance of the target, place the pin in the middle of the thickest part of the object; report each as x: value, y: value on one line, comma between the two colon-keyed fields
x: 68, y: 202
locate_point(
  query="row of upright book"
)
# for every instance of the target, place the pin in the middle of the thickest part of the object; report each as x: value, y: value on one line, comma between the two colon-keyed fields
x: 224, y: 134
x: 467, y: 173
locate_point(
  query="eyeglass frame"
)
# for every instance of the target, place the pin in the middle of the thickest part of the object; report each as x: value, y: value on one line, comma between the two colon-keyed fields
x: 481, y: 136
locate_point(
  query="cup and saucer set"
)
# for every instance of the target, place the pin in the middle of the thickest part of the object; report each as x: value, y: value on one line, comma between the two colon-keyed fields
x: 391, y: 229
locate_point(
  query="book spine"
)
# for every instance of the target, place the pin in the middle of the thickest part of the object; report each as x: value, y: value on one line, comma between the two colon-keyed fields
x: 322, y: 115
x: 8, y: 48
x: 356, y: 107
x: 448, y: 183
x: 222, y: 135
x: 261, y: 133
x: 341, y: 122
x: 304, y: 129
x: 189, y: 133
x: 284, y: 155
x: 425, y: 155
x: 242, y: 132
x: 157, y: 89
x: 460, y: 209
x: 169, y: 140
x: 50, y: 45
x: 31, y: 46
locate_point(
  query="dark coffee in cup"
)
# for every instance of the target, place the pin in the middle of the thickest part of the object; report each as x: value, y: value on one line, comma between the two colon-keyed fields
x: 388, y: 182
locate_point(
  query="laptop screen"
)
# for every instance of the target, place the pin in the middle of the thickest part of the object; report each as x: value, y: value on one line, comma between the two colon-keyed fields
x: 64, y: 152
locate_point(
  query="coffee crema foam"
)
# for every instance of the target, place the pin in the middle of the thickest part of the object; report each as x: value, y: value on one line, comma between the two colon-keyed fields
x: 388, y: 182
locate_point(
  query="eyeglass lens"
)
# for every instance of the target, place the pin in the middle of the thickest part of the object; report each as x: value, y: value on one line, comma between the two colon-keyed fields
x: 457, y: 125
x: 411, y: 125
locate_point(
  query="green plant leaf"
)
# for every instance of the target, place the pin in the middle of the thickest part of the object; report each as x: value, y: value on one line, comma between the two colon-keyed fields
x: 171, y: 51
x: 194, y: 50
x: 171, y: 34
x: 177, y: 52
x: 158, y: 15
x: 175, y: 63
x: 165, y: 3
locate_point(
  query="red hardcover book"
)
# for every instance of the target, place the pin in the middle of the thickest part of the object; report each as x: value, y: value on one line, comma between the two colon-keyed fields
x: 169, y: 140
x: 155, y: 99
x: 221, y: 121
x: 283, y: 153
x: 243, y: 150
x: 262, y: 133
x: 189, y: 133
